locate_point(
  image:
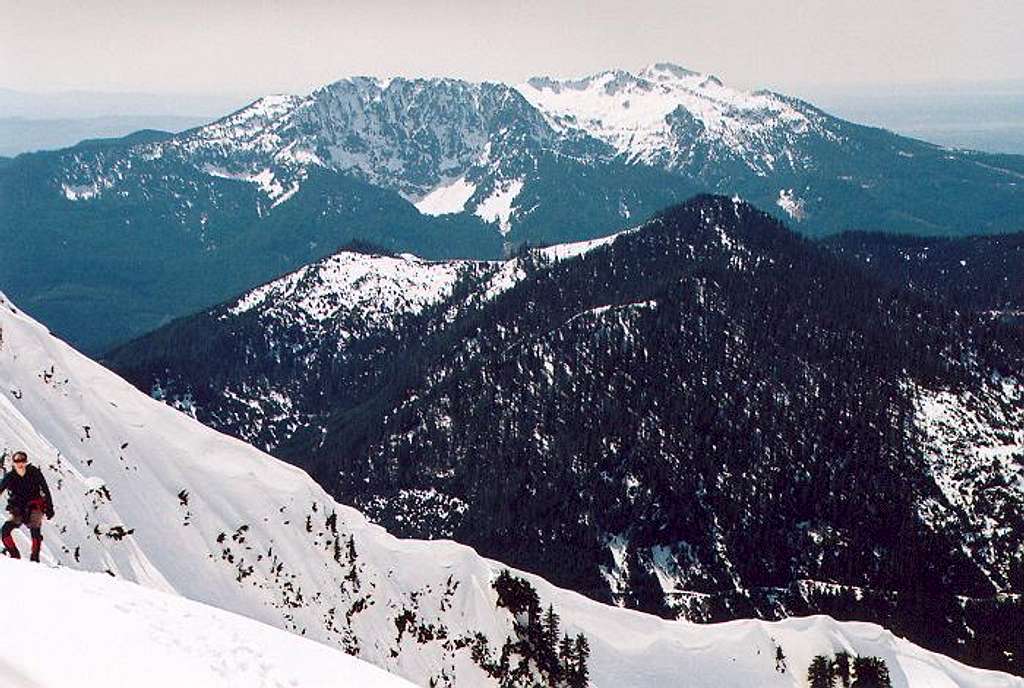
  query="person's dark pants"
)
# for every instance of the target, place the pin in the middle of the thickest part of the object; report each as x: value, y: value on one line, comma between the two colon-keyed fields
x: 34, y: 518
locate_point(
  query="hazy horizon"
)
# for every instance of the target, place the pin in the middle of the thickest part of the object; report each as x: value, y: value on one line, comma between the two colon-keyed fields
x: 983, y: 86
x: 985, y: 116
x: 267, y: 47
x: 947, y: 70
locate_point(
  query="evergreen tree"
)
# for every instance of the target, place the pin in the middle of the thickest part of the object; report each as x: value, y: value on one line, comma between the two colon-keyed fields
x: 871, y: 672
x: 567, y: 653
x: 352, y: 550
x: 547, y: 658
x: 550, y: 626
x: 581, y: 675
x: 841, y: 668
x: 819, y: 674
x: 519, y: 597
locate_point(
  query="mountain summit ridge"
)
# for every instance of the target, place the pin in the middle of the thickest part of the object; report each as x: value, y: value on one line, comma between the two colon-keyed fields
x: 662, y: 115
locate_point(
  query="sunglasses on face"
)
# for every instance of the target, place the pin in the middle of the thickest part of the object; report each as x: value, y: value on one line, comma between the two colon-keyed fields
x: 21, y: 461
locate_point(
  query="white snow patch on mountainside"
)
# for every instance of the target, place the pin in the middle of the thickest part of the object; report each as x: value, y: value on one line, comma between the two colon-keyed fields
x: 197, y: 513
x: 252, y: 129
x: 80, y: 192
x: 447, y: 198
x: 264, y: 179
x: 377, y: 288
x: 509, y: 273
x: 793, y: 205
x: 498, y: 206
x: 97, y: 632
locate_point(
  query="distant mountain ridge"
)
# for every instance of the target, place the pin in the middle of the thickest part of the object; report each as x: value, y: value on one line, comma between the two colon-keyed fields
x: 113, y: 238
x: 421, y: 136
x: 718, y: 417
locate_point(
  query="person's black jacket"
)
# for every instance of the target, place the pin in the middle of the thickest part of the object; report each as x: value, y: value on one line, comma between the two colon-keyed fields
x: 22, y: 490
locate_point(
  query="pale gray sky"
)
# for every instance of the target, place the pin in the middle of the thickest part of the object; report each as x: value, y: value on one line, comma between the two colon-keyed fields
x: 262, y: 46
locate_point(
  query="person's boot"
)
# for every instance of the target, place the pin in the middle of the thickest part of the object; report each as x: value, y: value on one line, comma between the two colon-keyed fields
x: 11, y: 548
x: 7, y: 536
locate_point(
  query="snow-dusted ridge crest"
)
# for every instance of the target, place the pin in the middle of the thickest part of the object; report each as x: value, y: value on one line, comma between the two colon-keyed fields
x: 153, y: 497
x: 374, y: 287
x: 378, y: 289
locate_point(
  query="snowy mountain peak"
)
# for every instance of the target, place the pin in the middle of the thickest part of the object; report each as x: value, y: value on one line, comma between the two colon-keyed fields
x: 407, y: 135
x: 667, y: 71
x: 669, y: 116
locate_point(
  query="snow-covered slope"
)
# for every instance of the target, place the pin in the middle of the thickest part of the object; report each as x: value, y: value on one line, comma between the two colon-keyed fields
x: 93, y: 631
x: 151, y: 496
x: 374, y: 288
x: 974, y: 443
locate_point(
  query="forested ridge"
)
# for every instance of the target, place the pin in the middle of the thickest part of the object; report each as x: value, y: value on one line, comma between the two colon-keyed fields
x: 718, y: 418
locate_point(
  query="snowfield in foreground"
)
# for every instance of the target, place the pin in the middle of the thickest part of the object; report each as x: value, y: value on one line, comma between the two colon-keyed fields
x: 86, y: 630
x: 149, y: 495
